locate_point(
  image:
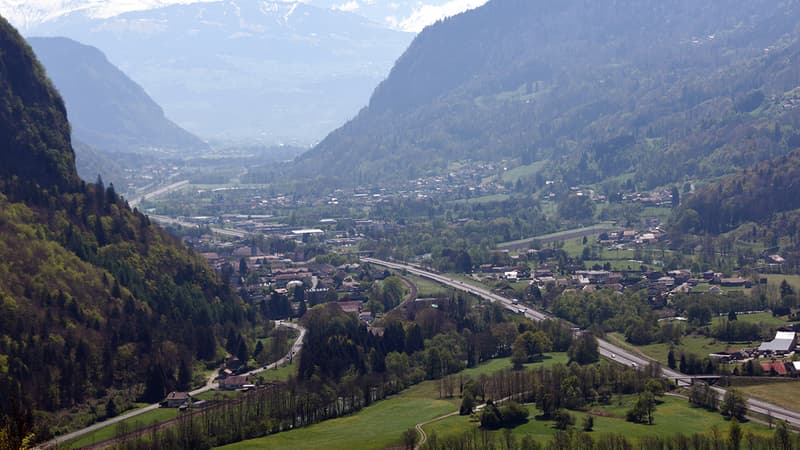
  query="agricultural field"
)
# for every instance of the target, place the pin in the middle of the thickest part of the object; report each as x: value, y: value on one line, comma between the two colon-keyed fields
x: 283, y: 373
x: 693, y: 344
x: 561, y: 236
x: 674, y: 415
x: 377, y: 426
x: 134, y: 423
x: 498, y: 364
x: 484, y: 199
x: 781, y: 392
x: 427, y: 288
x: 775, y: 280
x: 382, y: 424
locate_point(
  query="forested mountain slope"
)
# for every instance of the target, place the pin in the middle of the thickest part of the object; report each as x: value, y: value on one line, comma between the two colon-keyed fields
x: 752, y: 195
x: 98, y: 307
x: 107, y: 109
x: 662, y: 90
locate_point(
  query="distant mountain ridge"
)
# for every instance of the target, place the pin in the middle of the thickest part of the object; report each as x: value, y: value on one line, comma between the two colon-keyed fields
x: 108, y: 110
x: 661, y: 91
x: 406, y: 15
x: 269, y: 71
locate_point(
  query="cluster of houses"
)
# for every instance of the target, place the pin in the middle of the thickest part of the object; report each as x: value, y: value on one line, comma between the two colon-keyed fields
x: 673, y: 282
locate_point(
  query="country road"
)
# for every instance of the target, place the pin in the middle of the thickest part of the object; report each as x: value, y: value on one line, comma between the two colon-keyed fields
x: 607, y: 349
x: 210, y: 385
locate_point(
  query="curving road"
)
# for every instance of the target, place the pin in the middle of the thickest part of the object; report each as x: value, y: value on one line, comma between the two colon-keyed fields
x: 210, y: 385
x: 607, y: 349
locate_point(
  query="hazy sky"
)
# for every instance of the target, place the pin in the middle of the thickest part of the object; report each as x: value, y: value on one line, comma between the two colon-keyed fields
x: 408, y: 15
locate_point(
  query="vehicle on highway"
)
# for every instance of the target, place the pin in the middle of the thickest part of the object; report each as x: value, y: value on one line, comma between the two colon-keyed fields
x: 613, y: 356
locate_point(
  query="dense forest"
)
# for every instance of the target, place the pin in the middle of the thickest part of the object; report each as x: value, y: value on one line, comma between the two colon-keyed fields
x: 657, y: 91
x: 752, y: 195
x: 125, y: 307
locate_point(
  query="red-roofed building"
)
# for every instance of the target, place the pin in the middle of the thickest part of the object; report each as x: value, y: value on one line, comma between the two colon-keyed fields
x: 776, y: 366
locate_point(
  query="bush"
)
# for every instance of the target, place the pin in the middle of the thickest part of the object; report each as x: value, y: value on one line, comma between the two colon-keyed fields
x: 509, y: 415
x: 588, y: 423
x: 513, y: 414
x: 563, y: 419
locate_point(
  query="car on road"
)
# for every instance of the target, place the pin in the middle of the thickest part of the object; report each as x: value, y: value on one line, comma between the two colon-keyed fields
x: 613, y: 356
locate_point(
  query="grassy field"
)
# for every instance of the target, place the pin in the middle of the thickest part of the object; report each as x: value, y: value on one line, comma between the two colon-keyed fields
x: 661, y: 213
x: 763, y: 317
x: 216, y: 395
x: 382, y: 424
x: 694, y: 344
x: 672, y: 416
x: 555, y: 236
x: 134, y: 423
x: 281, y: 374
x: 523, y: 171
x: 498, y: 364
x: 616, y: 264
x: 377, y: 426
x: 782, y: 393
x: 776, y: 280
x: 485, y: 199
x: 426, y: 287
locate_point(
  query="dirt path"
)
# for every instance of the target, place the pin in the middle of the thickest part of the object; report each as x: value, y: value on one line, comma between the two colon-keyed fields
x: 422, y: 435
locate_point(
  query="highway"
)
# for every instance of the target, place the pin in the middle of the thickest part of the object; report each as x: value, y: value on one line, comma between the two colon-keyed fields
x: 165, y: 220
x: 160, y: 191
x: 210, y: 385
x: 607, y: 349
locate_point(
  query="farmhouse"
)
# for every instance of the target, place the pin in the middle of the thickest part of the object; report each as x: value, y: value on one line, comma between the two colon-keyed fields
x: 177, y: 399
x: 784, y: 342
x: 232, y: 383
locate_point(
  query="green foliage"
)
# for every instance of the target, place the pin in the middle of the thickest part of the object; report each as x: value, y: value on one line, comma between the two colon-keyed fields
x: 576, y: 208
x: 467, y: 404
x: 584, y: 349
x: 531, y: 344
x: 563, y: 419
x: 510, y: 414
x: 588, y: 423
x: 118, y: 300
x: 734, y: 405
x: 34, y: 131
x: 643, y: 409
x: 701, y: 394
x: 754, y: 194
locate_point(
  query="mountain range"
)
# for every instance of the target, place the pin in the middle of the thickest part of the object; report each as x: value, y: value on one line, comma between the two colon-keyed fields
x: 243, y: 70
x: 591, y: 91
x: 405, y: 15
